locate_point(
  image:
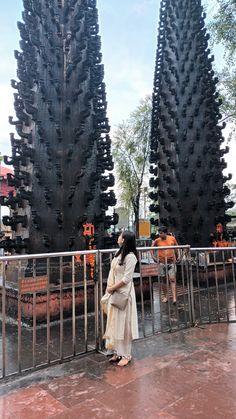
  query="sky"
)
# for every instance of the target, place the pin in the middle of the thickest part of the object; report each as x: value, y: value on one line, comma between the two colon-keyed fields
x: 128, y: 29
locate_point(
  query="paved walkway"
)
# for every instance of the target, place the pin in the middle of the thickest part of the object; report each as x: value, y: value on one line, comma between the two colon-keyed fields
x: 188, y: 374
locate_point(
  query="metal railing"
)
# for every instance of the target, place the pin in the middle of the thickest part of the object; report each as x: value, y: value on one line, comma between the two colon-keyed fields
x: 46, y: 301
x: 155, y: 316
x: 50, y: 303
x: 212, y: 270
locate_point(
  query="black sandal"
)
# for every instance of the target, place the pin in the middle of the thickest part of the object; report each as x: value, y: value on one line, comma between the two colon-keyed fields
x: 115, y: 359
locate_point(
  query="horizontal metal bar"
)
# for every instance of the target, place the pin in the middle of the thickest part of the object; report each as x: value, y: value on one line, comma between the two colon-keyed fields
x: 142, y: 249
x: 210, y: 249
x: 108, y: 251
x: 162, y: 247
x: 48, y: 255
x: 104, y: 251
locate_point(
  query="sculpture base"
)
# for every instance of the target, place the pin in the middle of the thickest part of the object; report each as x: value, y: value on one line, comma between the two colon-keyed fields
x: 58, y: 301
x: 212, y: 273
x: 62, y: 301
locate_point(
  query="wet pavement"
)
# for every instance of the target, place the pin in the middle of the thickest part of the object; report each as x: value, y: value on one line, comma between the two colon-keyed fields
x: 187, y: 374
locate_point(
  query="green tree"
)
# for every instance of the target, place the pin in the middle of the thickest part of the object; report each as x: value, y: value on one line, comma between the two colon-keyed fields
x: 223, y: 27
x: 131, y: 144
x: 223, y: 31
x: 227, y: 90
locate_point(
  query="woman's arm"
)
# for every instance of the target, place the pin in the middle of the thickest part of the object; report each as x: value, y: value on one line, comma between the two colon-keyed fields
x: 131, y: 261
x: 177, y: 251
x: 110, y: 279
x: 115, y: 287
x: 154, y: 244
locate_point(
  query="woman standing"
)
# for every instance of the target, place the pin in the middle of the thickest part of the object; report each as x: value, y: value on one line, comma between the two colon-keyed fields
x: 122, y: 325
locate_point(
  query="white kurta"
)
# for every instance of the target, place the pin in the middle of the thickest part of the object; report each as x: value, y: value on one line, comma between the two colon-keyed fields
x: 118, y: 319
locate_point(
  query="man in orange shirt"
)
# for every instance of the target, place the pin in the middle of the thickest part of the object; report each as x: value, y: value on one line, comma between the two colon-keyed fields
x: 167, y: 261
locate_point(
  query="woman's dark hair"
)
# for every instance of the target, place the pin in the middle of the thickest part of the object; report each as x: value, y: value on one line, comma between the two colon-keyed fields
x: 129, y: 246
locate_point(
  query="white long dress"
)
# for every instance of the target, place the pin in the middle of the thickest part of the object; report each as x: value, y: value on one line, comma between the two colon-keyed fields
x: 122, y: 325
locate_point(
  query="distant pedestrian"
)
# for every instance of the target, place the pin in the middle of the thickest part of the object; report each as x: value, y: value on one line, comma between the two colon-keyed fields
x: 167, y: 261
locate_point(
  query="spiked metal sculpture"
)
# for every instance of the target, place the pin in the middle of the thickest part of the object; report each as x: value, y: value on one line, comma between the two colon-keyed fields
x: 186, y: 155
x: 63, y: 149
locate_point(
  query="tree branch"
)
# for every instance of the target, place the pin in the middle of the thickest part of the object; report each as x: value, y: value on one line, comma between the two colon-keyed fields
x: 132, y: 164
x: 228, y: 116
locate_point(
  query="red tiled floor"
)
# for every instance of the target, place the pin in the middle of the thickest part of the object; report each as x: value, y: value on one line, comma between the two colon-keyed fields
x: 225, y: 386
x: 117, y: 376
x: 178, y: 382
x: 161, y: 415
x: 132, y: 401
x: 32, y: 403
x: 205, y: 403
x: 88, y: 409
x: 204, y: 363
x: 74, y: 389
x: 186, y: 375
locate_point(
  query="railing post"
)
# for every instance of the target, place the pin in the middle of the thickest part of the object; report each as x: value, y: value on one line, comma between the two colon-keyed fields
x: 19, y: 319
x: 4, y: 321
x: 100, y: 293
x: 96, y: 302
x: 190, y: 288
x: 142, y: 299
x: 73, y: 307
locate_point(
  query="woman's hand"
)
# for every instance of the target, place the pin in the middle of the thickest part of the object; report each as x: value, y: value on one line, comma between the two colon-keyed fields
x: 110, y: 290
x: 115, y: 287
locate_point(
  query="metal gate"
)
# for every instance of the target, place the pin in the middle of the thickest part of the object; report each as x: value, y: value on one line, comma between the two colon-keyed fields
x: 212, y: 273
x: 49, y: 309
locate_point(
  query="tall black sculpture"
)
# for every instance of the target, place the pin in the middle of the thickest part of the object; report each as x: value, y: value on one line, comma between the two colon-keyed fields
x: 62, y: 157
x: 186, y: 155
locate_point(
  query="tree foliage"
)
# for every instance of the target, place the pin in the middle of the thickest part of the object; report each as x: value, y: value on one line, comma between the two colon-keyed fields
x: 223, y: 31
x: 131, y: 143
x: 227, y: 90
x: 223, y: 27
